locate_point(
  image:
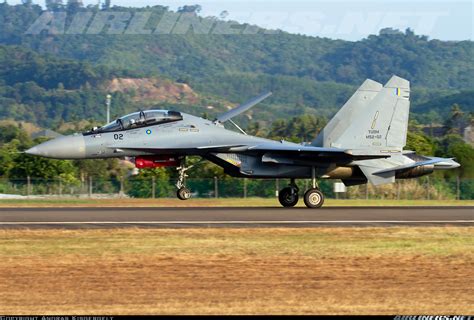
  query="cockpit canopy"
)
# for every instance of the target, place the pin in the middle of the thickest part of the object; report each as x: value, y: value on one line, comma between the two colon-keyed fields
x: 140, y: 119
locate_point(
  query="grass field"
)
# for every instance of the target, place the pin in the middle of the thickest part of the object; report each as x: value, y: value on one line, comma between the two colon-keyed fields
x: 221, y: 202
x: 238, y: 271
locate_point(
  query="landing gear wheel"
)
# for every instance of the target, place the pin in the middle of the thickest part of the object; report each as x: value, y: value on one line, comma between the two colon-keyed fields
x: 288, y: 197
x: 184, y: 194
x: 313, y: 198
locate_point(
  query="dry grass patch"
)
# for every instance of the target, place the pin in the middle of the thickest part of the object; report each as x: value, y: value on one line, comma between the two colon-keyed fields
x: 212, y: 271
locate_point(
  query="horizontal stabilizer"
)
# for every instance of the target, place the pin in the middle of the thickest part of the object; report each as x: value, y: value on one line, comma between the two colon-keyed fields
x: 242, y: 108
x: 410, y: 165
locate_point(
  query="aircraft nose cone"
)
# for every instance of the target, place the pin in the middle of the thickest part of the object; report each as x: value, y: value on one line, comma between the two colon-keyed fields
x: 67, y: 147
x: 33, y: 151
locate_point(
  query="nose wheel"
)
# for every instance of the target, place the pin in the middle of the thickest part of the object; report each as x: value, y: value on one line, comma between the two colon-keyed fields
x: 183, y: 193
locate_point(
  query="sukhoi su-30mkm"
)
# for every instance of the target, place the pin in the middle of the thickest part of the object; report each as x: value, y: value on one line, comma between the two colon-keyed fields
x: 362, y: 143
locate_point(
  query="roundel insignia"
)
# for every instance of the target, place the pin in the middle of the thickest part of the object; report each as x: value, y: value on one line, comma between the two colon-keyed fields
x: 148, y: 131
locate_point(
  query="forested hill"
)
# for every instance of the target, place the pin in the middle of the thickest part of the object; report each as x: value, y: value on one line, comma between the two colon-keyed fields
x: 307, y: 74
x: 429, y: 63
x: 47, y: 90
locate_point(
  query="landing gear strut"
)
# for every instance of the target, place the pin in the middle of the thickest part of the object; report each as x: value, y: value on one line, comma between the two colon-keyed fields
x: 183, y: 193
x: 313, y: 198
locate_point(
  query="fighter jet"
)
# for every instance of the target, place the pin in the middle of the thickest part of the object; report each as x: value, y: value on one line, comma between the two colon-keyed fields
x: 362, y: 143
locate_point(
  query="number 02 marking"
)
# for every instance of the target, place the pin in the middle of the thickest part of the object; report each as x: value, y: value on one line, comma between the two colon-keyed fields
x: 118, y: 136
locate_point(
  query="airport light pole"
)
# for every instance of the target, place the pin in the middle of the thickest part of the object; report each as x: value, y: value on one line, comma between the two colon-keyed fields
x: 107, y: 103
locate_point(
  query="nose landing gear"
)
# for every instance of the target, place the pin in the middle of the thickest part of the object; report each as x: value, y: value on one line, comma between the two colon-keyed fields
x: 183, y: 193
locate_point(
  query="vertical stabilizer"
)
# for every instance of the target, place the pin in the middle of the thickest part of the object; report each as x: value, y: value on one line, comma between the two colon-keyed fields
x: 357, y: 104
x: 382, y: 124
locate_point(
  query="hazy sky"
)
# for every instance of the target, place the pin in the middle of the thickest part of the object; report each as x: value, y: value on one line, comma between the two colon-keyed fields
x: 349, y: 19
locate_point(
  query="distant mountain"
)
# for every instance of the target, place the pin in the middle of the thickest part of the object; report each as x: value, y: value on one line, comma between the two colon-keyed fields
x: 429, y: 63
x: 308, y: 74
x: 441, y: 106
x: 49, y: 91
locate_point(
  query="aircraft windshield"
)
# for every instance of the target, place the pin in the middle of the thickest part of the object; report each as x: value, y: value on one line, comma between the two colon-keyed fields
x: 141, y: 119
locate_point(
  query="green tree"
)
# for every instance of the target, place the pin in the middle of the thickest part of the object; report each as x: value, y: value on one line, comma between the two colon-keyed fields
x: 53, y: 5
x: 140, y: 186
x: 7, y: 160
x: 454, y: 146
x: 420, y: 143
x: 40, y: 168
x: 106, y: 5
x: 455, y: 121
x: 74, y: 5
x: 9, y: 132
x: 464, y: 154
x: 190, y: 9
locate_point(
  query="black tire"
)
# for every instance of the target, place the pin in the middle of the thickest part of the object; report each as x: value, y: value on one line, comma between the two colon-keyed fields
x: 314, y: 198
x: 288, y: 197
x: 184, y: 194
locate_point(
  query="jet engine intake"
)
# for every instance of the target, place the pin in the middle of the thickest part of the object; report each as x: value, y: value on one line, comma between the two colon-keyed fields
x: 339, y: 173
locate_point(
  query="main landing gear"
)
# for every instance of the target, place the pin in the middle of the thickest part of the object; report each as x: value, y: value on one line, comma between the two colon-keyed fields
x: 313, y: 198
x: 289, y: 196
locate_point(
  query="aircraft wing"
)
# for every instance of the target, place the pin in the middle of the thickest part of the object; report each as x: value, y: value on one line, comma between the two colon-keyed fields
x: 290, y: 148
x: 268, y: 150
x: 239, y: 148
x: 294, y: 150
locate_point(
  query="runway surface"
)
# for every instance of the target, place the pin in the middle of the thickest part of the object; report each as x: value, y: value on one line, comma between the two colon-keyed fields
x: 233, y: 217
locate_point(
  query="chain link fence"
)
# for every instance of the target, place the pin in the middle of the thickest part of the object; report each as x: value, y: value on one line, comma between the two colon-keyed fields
x: 425, y: 188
